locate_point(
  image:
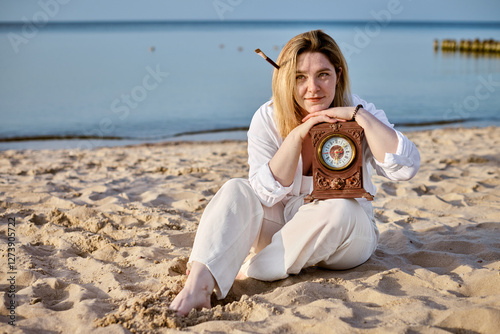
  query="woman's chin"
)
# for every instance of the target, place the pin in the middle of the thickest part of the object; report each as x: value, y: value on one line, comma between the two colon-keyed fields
x: 316, y: 108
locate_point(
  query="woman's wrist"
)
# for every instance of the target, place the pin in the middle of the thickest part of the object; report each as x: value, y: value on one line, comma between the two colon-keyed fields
x: 360, y: 117
x: 356, y: 110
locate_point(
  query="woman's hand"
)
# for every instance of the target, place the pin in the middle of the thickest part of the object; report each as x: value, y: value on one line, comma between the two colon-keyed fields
x: 332, y: 115
x: 284, y: 163
x: 311, y: 120
x: 380, y: 138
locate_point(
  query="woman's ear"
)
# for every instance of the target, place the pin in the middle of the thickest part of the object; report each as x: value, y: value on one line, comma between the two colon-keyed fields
x: 339, y: 72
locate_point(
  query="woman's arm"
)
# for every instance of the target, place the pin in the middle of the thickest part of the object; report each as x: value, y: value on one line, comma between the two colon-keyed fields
x: 284, y: 163
x: 380, y: 138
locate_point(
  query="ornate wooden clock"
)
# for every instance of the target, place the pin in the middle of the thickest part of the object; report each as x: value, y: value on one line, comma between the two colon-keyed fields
x: 338, y: 161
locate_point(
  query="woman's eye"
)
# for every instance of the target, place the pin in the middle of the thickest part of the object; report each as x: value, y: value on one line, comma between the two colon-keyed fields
x: 300, y: 77
x: 324, y: 75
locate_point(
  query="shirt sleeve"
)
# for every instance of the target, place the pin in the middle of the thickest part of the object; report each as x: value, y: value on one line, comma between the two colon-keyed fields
x: 263, y: 143
x: 402, y: 165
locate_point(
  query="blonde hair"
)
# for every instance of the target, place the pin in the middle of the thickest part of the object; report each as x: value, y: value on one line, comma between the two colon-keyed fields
x: 287, y: 112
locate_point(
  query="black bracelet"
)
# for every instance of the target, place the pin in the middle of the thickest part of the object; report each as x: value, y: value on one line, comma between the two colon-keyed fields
x: 356, y: 111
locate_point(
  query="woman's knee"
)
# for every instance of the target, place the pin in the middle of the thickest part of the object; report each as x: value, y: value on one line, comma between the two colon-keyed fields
x: 235, y: 195
x: 238, y: 195
x: 336, y: 208
x: 342, y: 204
x: 237, y: 186
x: 334, y: 214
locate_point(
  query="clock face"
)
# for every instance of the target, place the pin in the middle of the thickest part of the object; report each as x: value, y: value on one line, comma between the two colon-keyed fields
x: 336, y: 152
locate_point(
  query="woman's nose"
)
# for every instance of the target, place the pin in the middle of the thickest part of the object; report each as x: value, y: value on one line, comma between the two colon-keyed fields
x: 312, y: 85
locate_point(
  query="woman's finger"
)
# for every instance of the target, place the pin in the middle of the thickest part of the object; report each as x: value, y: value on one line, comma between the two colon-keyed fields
x: 339, y: 113
x: 322, y: 117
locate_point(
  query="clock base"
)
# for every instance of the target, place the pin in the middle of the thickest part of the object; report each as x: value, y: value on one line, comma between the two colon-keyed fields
x: 318, y: 197
x: 338, y: 186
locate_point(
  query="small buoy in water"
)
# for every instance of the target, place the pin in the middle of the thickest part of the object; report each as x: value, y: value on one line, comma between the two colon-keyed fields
x: 151, y: 49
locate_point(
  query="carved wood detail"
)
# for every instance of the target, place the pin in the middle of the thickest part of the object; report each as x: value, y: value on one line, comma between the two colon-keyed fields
x: 336, y: 127
x: 317, y: 137
x: 324, y: 182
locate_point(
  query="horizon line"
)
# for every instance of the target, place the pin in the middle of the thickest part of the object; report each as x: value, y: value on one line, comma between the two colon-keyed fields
x: 247, y: 21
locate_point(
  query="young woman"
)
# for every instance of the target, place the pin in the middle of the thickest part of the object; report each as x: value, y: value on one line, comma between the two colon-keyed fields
x: 260, y: 227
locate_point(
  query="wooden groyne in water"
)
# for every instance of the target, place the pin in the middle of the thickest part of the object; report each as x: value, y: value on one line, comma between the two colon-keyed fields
x: 487, y: 46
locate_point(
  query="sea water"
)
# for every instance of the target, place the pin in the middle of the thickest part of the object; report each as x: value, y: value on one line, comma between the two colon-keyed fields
x: 115, y: 83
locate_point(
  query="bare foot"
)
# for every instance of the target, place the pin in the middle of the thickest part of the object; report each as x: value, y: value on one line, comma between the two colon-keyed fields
x: 197, y: 291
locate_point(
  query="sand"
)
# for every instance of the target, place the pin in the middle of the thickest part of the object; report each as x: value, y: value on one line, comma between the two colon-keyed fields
x: 102, y: 238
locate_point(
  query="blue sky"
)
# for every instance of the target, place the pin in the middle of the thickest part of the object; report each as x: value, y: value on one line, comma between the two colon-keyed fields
x: 109, y: 10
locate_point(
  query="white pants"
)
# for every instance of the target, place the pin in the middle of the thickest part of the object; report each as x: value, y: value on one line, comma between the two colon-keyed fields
x: 333, y: 234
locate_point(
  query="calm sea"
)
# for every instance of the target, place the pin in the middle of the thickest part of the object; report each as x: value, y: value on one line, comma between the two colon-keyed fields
x: 120, y: 83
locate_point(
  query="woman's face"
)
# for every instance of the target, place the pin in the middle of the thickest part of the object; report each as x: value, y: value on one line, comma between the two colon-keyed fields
x: 315, y: 82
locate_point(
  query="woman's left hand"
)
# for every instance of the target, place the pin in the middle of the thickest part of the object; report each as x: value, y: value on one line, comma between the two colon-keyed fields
x: 337, y: 114
x: 380, y: 138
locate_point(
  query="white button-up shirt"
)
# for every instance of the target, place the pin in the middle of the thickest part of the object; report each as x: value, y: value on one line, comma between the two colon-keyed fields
x: 264, y: 141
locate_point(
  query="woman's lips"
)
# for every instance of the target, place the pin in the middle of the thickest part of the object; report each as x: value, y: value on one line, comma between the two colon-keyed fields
x: 314, y: 99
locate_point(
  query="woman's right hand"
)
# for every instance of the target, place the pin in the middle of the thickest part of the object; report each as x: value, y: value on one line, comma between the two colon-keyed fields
x: 284, y: 163
x: 302, y: 131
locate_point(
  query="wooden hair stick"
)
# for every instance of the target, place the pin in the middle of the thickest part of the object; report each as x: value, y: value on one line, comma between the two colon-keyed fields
x: 269, y: 60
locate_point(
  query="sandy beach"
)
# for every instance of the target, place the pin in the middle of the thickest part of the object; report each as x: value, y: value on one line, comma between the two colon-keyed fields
x: 102, y: 238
